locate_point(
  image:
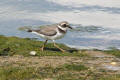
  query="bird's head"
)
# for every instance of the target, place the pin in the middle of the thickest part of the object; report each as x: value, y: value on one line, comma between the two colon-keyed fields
x: 65, y: 25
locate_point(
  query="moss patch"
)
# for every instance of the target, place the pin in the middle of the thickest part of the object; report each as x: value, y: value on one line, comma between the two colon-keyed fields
x: 113, y: 77
x: 74, y: 67
x: 113, y: 51
x: 32, y: 73
x: 17, y: 64
x: 23, y: 46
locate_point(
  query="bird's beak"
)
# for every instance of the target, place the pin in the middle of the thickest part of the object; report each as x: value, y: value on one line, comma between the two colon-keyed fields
x: 70, y: 27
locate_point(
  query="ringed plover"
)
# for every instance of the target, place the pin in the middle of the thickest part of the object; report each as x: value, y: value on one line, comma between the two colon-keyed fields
x: 52, y: 32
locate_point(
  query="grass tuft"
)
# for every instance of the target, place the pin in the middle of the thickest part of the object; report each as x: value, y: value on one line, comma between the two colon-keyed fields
x: 23, y: 46
x: 27, y: 73
x: 74, y: 67
x: 113, y: 77
x: 16, y: 73
x: 113, y: 51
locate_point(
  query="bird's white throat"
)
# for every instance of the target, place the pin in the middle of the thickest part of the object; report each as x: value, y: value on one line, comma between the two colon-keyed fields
x: 64, y: 29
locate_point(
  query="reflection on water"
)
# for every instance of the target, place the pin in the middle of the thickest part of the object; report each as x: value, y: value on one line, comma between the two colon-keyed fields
x: 95, y: 25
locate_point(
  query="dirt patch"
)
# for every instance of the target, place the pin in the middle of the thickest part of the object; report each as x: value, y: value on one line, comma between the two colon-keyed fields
x: 97, y: 62
x: 52, y: 61
x: 101, y: 61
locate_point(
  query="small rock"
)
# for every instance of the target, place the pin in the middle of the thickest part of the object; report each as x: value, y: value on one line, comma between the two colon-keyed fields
x: 113, y: 63
x: 33, y: 53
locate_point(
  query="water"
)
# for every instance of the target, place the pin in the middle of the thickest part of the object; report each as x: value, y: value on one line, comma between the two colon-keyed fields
x: 96, y: 23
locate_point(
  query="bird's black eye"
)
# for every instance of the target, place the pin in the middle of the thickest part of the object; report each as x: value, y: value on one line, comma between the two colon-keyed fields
x: 64, y: 25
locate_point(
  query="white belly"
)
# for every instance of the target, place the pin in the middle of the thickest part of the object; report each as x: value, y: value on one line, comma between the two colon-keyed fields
x: 57, y: 36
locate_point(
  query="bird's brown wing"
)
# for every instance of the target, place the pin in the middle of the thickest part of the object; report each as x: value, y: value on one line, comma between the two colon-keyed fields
x: 48, y: 31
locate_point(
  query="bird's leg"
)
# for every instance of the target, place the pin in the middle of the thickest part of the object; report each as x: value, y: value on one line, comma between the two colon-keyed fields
x: 58, y: 47
x: 42, y: 49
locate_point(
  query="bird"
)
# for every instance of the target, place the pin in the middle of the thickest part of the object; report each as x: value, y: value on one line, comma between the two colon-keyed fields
x: 52, y: 32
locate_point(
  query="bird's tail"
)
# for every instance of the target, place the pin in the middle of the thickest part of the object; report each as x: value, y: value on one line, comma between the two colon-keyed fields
x: 29, y: 30
x: 25, y: 28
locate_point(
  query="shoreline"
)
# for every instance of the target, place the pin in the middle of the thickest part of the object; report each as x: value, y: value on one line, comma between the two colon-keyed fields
x: 52, y: 64
x: 25, y: 45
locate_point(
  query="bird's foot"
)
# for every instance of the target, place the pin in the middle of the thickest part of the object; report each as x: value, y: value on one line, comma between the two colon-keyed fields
x: 62, y: 50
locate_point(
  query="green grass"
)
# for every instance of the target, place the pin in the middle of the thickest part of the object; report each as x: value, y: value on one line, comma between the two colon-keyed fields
x: 64, y: 72
x: 78, y: 67
x: 16, y: 73
x: 113, y: 77
x: 10, y: 46
x: 113, y: 51
x: 23, y: 46
x: 26, y: 73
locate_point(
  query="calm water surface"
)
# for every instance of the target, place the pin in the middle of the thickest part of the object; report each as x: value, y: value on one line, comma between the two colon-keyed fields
x: 96, y: 24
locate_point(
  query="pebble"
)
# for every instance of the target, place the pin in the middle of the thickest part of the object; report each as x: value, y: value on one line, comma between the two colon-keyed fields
x: 33, y: 53
x: 113, y: 63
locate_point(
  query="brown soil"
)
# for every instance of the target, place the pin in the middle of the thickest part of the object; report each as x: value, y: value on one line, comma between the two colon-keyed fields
x: 97, y: 61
